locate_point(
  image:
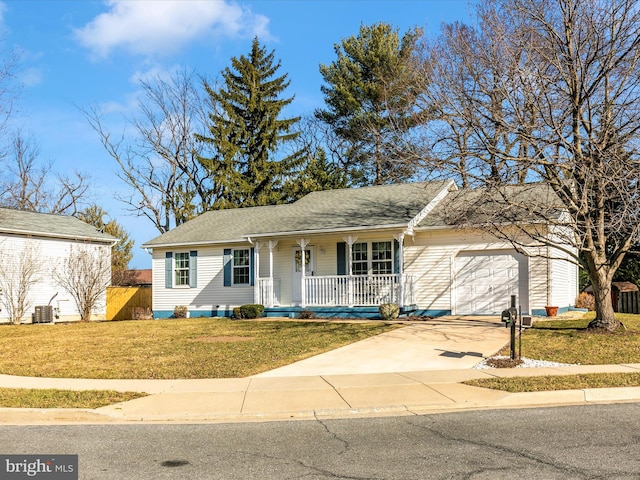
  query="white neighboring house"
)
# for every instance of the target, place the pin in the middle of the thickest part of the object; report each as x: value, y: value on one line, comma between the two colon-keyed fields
x: 34, y: 248
x: 362, y: 247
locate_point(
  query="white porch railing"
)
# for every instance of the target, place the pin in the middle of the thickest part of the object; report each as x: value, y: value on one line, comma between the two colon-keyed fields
x: 347, y: 291
x: 358, y: 290
x: 269, y: 291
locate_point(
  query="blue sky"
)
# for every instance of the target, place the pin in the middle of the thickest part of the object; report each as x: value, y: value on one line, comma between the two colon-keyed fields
x: 78, y: 54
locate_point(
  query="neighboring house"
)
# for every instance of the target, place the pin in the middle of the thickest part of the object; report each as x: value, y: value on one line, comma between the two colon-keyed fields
x: 135, y: 278
x: 34, y: 247
x: 362, y: 247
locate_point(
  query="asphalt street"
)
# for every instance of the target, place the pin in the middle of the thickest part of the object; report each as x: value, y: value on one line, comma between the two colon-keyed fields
x: 580, y: 442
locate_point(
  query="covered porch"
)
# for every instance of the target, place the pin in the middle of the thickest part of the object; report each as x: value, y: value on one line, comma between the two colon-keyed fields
x: 366, y: 274
x: 341, y: 290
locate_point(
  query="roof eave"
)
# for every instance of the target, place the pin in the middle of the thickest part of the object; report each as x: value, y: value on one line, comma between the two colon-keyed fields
x: 64, y: 236
x: 478, y: 226
x: 248, y: 236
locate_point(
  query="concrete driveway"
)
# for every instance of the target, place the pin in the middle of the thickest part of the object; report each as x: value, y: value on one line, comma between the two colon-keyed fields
x: 452, y: 342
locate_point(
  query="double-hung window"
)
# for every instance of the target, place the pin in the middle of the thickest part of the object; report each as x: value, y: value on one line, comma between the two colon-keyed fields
x: 241, y: 266
x: 360, y: 262
x: 381, y: 258
x: 181, y: 269
x: 238, y: 266
x: 374, y: 258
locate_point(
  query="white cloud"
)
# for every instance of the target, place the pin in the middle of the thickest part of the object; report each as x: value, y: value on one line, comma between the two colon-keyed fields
x: 164, y: 26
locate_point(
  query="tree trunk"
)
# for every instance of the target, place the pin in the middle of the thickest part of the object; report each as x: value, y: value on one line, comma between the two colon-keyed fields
x: 605, y: 316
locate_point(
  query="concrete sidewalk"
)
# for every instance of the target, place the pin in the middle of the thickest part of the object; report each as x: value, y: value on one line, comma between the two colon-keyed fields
x: 326, y: 396
x: 413, y: 370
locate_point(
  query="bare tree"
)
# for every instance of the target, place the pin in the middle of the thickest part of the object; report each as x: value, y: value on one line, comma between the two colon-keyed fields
x: 20, y: 273
x: 85, y: 275
x: 160, y: 161
x: 29, y: 184
x: 547, y: 91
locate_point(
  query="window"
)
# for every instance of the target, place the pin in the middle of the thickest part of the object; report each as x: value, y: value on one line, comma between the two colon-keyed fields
x: 375, y: 258
x: 360, y: 264
x: 241, y: 267
x: 381, y: 258
x: 181, y: 269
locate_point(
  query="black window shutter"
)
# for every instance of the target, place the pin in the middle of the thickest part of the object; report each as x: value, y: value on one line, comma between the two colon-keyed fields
x: 341, y: 267
x: 193, y: 268
x: 228, y: 261
x: 251, y: 266
x: 168, y: 270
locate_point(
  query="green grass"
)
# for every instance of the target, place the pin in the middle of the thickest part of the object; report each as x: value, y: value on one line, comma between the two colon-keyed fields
x: 559, y: 382
x: 568, y: 341
x: 49, y: 398
x: 168, y: 349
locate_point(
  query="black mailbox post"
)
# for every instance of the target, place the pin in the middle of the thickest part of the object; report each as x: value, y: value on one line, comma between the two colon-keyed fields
x: 510, y: 317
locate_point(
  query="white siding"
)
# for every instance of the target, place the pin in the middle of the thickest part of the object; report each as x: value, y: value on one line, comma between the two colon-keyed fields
x: 210, y: 293
x: 51, y: 255
x: 564, y: 288
x: 431, y: 258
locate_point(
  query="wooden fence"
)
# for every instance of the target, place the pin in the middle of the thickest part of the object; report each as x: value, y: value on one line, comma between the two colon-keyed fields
x: 629, y: 302
x: 127, y: 303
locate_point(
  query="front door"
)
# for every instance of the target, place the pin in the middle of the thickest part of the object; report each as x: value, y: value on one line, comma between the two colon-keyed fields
x: 309, y: 264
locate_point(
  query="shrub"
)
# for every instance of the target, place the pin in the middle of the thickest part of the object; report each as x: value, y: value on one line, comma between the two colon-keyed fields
x: 142, y: 313
x: 586, y: 300
x: 389, y: 311
x: 306, y: 315
x: 181, y: 311
x: 251, y: 310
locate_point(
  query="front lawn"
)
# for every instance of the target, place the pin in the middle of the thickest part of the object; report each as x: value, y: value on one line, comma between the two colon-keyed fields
x: 567, y: 341
x: 166, y: 349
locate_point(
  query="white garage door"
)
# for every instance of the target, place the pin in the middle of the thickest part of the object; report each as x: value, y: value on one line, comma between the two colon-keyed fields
x: 485, y: 282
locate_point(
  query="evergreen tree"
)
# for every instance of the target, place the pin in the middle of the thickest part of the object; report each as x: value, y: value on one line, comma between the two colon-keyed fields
x: 318, y: 174
x: 246, y: 133
x: 370, y: 95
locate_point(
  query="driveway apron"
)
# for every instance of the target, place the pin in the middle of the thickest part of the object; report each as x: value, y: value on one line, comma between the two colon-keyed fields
x: 443, y: 343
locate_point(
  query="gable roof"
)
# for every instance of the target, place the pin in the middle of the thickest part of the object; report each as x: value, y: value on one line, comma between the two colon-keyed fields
x: 532, y: 202
x: 376, y: 207
x: 18, y: 222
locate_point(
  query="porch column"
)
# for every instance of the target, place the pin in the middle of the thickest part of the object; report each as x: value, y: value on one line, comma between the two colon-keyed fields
x: 350, y: 240
x: 400, y: 239
x: 256, y: 272
x: 272, y: 245
x: 303, y: 242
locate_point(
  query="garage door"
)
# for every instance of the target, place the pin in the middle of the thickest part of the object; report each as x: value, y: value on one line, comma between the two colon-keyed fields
x: 485, y: 282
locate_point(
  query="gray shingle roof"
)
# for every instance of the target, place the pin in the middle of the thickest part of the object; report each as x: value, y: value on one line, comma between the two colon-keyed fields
x: 47, y: 225
x: 330, y: 210
x: 533, y: 202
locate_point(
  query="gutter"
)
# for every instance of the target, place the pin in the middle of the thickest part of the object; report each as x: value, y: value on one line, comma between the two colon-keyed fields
x: 28, y: 233
x: 249, y: 236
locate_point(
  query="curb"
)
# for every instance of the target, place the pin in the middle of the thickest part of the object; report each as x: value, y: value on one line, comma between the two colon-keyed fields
x: 30, y: 416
